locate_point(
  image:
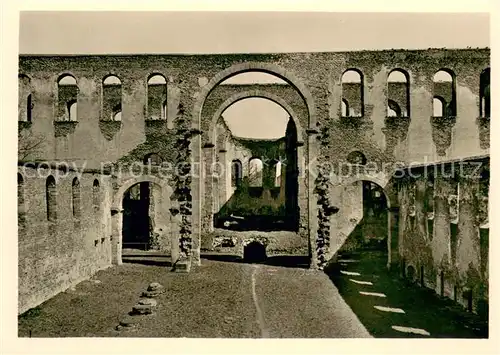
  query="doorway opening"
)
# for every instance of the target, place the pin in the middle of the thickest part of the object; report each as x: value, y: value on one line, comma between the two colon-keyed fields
x: 139, y: 217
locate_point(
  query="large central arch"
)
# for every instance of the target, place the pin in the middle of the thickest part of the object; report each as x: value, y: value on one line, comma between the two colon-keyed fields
x: 250, y: 94
x: 269, y: 68
x: 197, y: 144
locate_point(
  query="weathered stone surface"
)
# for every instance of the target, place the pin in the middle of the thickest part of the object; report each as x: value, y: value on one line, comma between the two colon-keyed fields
x: 155, y: 286
x: 315, y: 96
x: 129, y: 321
x: 148, y: 302
x: 182, y: 266
x: 142, y: 309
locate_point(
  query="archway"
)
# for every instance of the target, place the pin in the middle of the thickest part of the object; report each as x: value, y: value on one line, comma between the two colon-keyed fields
x: 203, y: 147
x: 254, y: 94
x: 375, y: 226
x: 262, y: 136
x: 142, y: 218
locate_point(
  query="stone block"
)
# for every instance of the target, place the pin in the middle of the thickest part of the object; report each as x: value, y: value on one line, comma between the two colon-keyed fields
x: 155, y: 286
x: 130, y: 321
x: 148, y: 302
x: 142, y: 309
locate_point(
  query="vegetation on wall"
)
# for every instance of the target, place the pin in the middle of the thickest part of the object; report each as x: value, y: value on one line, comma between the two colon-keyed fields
x: 182, y: 182
x: 325, y: 207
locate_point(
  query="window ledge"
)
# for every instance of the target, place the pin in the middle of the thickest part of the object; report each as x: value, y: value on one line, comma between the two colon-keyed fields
x: 64, y: 128
x: 68, y: 123
x: 444, y: 118
x: 109, y: 128
x: 354, y: 121
x: 154, y: 123
x: 352, y: 117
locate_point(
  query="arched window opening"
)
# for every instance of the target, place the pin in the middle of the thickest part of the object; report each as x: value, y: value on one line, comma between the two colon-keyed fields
x: 164, y: 109
x: 67, y: 94
x: 29, y: 108
x: 157, y: 96
x: 67, y: 80
x: 444, y: 89
x: 21, y: 212
x: 236, y: 173
x: 438, y: 107
x: 255, y: 174
x: 352, y: 93
x: 398, y: 93
x: 393, y: 109
x: 356, y: 158
x: 25, y: 104
x: 72, y: 111
x: 117, y: 113
x: 484, y: 93
x: 256, y: 118
x: 51, y: 199
x: 75, y: 193
x: 96, y: 198
x: 152, y: 159
x: 111, y: 98
x: 277, y: 180
x: 345, y: 108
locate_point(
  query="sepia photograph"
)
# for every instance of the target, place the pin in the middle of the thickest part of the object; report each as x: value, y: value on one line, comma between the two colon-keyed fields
x: 251, y: 175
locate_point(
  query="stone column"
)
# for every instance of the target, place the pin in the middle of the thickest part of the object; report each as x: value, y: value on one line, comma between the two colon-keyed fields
x: 303, y: 186
x: 309, y: 177
x: 468, y: 257
x: 208, y: 210
x: 197, y: 195
x: 224, y: 170
x: 441, y: 243
x: 116, y: 244
x: 403, y: 217
x: 392, y: 240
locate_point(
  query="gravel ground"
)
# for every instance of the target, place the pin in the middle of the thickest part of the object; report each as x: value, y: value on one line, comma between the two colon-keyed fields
x: 220, y: 299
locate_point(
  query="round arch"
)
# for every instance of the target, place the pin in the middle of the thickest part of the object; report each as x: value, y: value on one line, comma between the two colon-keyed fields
x: 64, y: 74
x: 269, y: 68
x: 251, y: 94
x: 118, y: 196
x: 117, y: 208
x: 390, y: 197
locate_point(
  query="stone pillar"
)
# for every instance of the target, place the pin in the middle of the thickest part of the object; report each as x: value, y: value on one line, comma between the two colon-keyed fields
x: 389, y: 239
x: 468, y: 256
x: 208, y: 210
x: 116, y: 243
x: 403, y: 217
x: 441, y: 243
x: 308, y: 178
x: 303, y: 186
x: 224, y: 170
x: 197, y: 195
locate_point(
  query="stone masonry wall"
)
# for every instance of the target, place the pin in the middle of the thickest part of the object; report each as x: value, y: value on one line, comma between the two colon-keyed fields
x: 443, y: 238
x: 54, y: 256
x: 326, y: 137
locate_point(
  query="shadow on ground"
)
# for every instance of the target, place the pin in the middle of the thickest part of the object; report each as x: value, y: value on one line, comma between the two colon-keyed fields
x: 292, y: 261
x: 424, y: 309
x: 147, y: 260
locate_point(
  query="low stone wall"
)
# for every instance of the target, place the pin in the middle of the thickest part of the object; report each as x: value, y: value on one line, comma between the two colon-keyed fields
x: 233, y: 242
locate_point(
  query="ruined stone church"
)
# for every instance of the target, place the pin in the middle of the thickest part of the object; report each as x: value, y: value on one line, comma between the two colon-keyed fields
x: 132, y: 151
